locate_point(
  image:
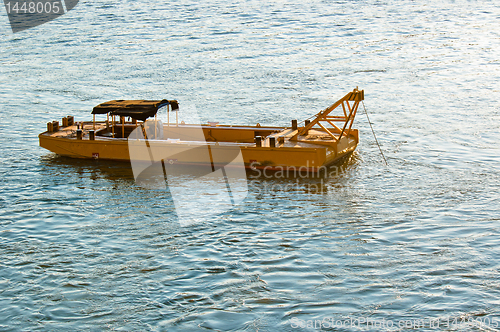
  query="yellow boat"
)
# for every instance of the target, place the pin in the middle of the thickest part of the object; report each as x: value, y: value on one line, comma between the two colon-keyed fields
x: 132, y: 132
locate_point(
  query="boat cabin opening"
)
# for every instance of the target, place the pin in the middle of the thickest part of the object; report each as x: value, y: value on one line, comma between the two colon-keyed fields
x: 125, y: 116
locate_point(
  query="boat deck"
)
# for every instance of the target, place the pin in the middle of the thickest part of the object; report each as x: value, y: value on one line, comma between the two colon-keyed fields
x: 281, y: 135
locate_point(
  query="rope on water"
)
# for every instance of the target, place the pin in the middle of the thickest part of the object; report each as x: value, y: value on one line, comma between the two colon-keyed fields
x: 376, y: 141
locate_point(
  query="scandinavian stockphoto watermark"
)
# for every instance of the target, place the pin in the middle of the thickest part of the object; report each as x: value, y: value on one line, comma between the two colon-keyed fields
x: 215, y: 185
x: 369, y: 323
x: 25, y: 14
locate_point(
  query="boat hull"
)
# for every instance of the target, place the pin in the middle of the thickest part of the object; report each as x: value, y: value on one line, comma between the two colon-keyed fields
x: 311, y: 157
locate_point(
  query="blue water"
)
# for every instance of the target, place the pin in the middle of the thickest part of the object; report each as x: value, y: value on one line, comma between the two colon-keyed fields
x: 83, y: 247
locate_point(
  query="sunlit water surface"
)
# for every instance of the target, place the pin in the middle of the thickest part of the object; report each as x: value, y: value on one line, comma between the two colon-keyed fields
x: 83, y: 247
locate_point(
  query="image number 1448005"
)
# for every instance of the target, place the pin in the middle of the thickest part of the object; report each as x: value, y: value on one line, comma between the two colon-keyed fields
x: 28, y: 14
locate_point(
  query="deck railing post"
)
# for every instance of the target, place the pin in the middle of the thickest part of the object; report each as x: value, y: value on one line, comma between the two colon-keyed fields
x: 122, y: 118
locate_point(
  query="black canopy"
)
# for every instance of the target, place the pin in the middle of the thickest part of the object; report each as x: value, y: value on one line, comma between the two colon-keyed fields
x: 136, y: 109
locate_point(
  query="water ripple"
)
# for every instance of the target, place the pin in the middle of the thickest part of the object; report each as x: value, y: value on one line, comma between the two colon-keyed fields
x: 83, y: 247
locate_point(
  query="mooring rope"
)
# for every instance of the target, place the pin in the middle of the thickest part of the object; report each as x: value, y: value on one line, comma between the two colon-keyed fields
x: 376, y: 141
